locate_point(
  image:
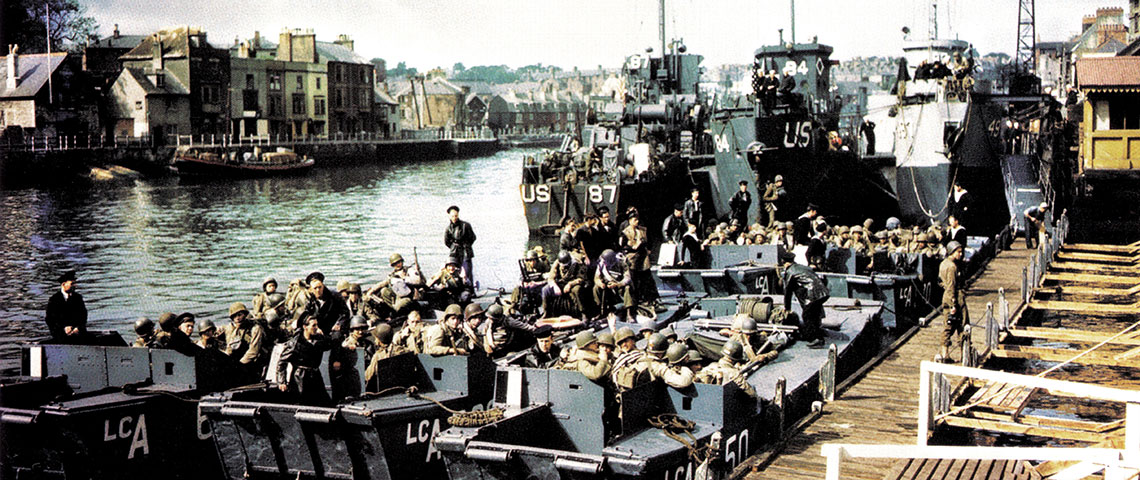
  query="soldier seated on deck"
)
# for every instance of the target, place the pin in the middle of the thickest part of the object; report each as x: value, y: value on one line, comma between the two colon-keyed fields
x: 451, y: 282
x: 398, y: 293
x: 612, y: 282
x: 411, y: 335
x: 727, y: 369
x: 144, y: 328
x: 446, y: 337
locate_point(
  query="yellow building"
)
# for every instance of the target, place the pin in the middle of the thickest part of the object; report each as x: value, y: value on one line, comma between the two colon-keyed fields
x: 1110, y: 128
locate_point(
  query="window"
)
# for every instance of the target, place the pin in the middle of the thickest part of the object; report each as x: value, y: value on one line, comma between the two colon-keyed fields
x: 249, y: 100
x: 319, y: 106
x: 338, y: 98
x: 298, y: 104
x: 318, y: 83
x: 364, y: 98
x: 138, y: 105
x: 300, y: 82
x: 160, y: 80
x: 249, y: 81
x: 275, y: 105
x: 275, y: 81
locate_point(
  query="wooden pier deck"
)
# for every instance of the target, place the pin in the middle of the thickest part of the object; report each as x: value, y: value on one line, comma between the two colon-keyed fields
x: 881, y: 406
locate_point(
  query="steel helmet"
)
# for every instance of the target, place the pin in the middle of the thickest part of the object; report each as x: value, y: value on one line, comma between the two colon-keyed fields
x: 606, y: 338
x: 354, y: 288
x: 857, y: 229
x: 623, y: 334
x: 383, y: 333
x: 733, y: 351
x: 271, y: 317
x: 394, y: 259
x: 669, y: 333
x: 657, y: 344
x: 357, y: 321
x: 267, y: 281
x: 748, y: 325
x: 584, y: 338
x: 144, y: 326
x: 453, y: 309
x: 168, y: 321
x: 343, y: 286
x: 205, y: 325
x: 565, y: 258
x: 677, y: 353
x: 530, y: 255
x: 952, y: 247
x: 236, y: 308
x: 608, y: 257
x: 893, y: 223
x: 276, y: 299
x: 495, y: 312
x: 472, y: 310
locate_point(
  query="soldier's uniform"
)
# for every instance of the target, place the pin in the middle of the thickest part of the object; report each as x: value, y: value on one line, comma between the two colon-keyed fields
x: 440, y: 340
x: 953, y: 297
x: 411, y: 338
x: 723, y: 371
x: 753, y: 344
x: 589, y: 364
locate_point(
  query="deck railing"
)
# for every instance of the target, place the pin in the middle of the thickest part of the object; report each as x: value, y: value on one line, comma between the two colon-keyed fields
x: 44, y: 143
x: 933, y: 402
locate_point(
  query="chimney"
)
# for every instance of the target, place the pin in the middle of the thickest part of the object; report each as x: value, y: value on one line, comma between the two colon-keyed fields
x: 1087, y: 21
x: 1110, y: 15
x: 115, y: 33
x: 344, y: 41
x: 256, y: 39
x: 285, y: 46
x: 13, y: 67
x: 156, y: 52
x: 243, y: 50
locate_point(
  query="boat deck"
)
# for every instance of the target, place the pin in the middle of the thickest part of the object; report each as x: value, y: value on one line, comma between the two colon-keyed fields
x: 881, y: 406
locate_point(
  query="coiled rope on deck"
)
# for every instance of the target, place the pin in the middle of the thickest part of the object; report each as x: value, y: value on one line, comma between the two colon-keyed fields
x: 674, y: 426
x: 459, y: 418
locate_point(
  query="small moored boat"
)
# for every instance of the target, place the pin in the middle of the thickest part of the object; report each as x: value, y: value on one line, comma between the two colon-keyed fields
x: 237, y: 162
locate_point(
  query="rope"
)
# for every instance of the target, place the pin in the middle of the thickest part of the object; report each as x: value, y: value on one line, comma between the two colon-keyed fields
x: 910, y: 154
x: 673, y: 426
x: 962, y: 408
x: 461, y: 418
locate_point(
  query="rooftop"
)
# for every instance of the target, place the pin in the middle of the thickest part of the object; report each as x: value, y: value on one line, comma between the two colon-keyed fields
x: 34, y: 70
x: 1108, y: 71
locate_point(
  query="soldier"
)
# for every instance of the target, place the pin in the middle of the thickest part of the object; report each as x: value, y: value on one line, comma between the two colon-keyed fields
x: 66, y: 314
x: 208, y: 335
x: 261, y: 301
x: 245, y: 341
x: 144, y: 328
x: 858, y: 241
x: 451, y: 282
x: 174, y: 338
x: 473, y: 328
x: 304, y: 352
x: 811, y: 292
x: 745, y: 332
x: 740, y: 202
x: 953, y: 298
x: 635, y: 244
x: 774, y: 197
x: 355, y: 304
x: 343, y: 374
x: 588, y: 359
x: 459, y: 237
x: 276, y: 331
x: 385, y: 348
x: 446, y: 337
x: 503, y: 333
x: 529, y: 292
x: 674, y: 226
x: 612, y: 281
x: 694, y: 211
x: 606, y: 344
x: 727, y: 369
x: 328, y: 308
x: 568, y: 239
x: 411, y: 335
x: 544, y: 353
x: 400, y: 290
x: 670, y: 367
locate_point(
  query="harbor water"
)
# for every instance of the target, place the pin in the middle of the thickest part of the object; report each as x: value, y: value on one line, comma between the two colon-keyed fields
x: 146, y: 246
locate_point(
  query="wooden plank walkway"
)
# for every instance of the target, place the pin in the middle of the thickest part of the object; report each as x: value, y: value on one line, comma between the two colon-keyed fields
x: 881, y: 407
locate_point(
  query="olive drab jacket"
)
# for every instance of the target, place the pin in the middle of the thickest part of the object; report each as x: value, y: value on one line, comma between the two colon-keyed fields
x: 411, y: 338
x: 440, y: 340
x: 676, y: 376
x: 382, y: 352
x: 724, y: 371
x: 247, y: 342
x: 952, y: 294
x: 589, y: 364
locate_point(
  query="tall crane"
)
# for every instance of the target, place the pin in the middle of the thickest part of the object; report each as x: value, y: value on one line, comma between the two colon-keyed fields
x: 1026, y: 38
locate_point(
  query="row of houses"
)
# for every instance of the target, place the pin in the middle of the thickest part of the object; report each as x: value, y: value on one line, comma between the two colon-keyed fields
x: 174, y: 82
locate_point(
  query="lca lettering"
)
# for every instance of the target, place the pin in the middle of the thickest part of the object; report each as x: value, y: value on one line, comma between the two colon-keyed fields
x: 137, y: 434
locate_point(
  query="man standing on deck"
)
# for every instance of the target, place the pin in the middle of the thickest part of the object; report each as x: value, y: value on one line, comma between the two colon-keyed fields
x: 66, y: 313
x: 811, y: 292
x: 694, y: 212
x: 953, y: 298
x: 459, y: 237
x: 740, y: 202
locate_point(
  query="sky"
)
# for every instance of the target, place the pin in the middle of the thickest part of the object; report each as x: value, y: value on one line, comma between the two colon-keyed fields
x: 589, y: 33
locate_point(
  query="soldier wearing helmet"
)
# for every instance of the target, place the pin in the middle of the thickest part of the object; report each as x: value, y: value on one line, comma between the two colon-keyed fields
x: 668, y: 365
x: 411, y: 335
x: 261, y: 301
x: 246, y: 341
x: 446, y: 337
x: 452, y: 283
x: 588, y: 359
x: 144, y: 328
x: 774, y: 198
x: 385, y: 347
x: 343, y: 374
x: 953, y: 297
x: 400, y: 291
x: 564, y: 291
x: 473, y: 327
x: 727, y: 369
x: 745, y: 332
x: 207, y: 335
x: 612, y: 282
x: 504, y: 333
x: 533, y: 279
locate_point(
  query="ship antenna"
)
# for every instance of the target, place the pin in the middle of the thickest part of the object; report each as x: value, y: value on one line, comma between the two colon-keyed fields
x: 661, y: 25
x: 793, y: 22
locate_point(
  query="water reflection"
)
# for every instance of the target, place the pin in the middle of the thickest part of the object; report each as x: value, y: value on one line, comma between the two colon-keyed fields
x: 147, y: 246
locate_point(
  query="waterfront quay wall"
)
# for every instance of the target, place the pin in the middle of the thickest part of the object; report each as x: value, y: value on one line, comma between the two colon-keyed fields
x: 51, y: 159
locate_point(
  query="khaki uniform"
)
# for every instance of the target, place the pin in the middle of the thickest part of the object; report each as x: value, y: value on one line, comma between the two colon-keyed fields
x: 952, y: 297
x: 629, y: 371
x: 677, y: 376
x: 439, y: 340
x: 752, y: 344
x: 410, y: 339
x: 382, y: 352
x: 247, y: 342
x: 724, y: 371
x: 589, y: 364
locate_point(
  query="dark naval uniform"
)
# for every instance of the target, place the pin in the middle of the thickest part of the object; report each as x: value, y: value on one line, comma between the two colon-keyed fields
x: 811, y: 292
x: 305, y: 357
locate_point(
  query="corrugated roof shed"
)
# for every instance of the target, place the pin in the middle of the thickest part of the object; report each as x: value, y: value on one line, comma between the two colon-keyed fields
x: 1108, y: 71
x: 34, y: 71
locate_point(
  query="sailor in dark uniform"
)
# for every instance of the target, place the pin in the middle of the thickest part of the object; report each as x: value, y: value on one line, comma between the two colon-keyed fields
x: 740, y: 202
x: 811, y: 292
x: 66, y: 313
x: 303, y: 352
x: 544, y: 353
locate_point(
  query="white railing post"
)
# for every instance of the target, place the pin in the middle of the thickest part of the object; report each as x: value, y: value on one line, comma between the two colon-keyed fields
x: 991, y: 327
x: 1003, y: 310
x: 1132, y: 432
x: 925, y: 405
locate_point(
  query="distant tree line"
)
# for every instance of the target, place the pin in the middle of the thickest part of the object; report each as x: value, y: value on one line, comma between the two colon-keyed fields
x: 22, y: 22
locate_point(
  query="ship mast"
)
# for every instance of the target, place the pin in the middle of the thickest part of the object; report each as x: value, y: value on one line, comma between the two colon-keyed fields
x: 933, y: 29
x: 793, y: 21
x: 661, y: 25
